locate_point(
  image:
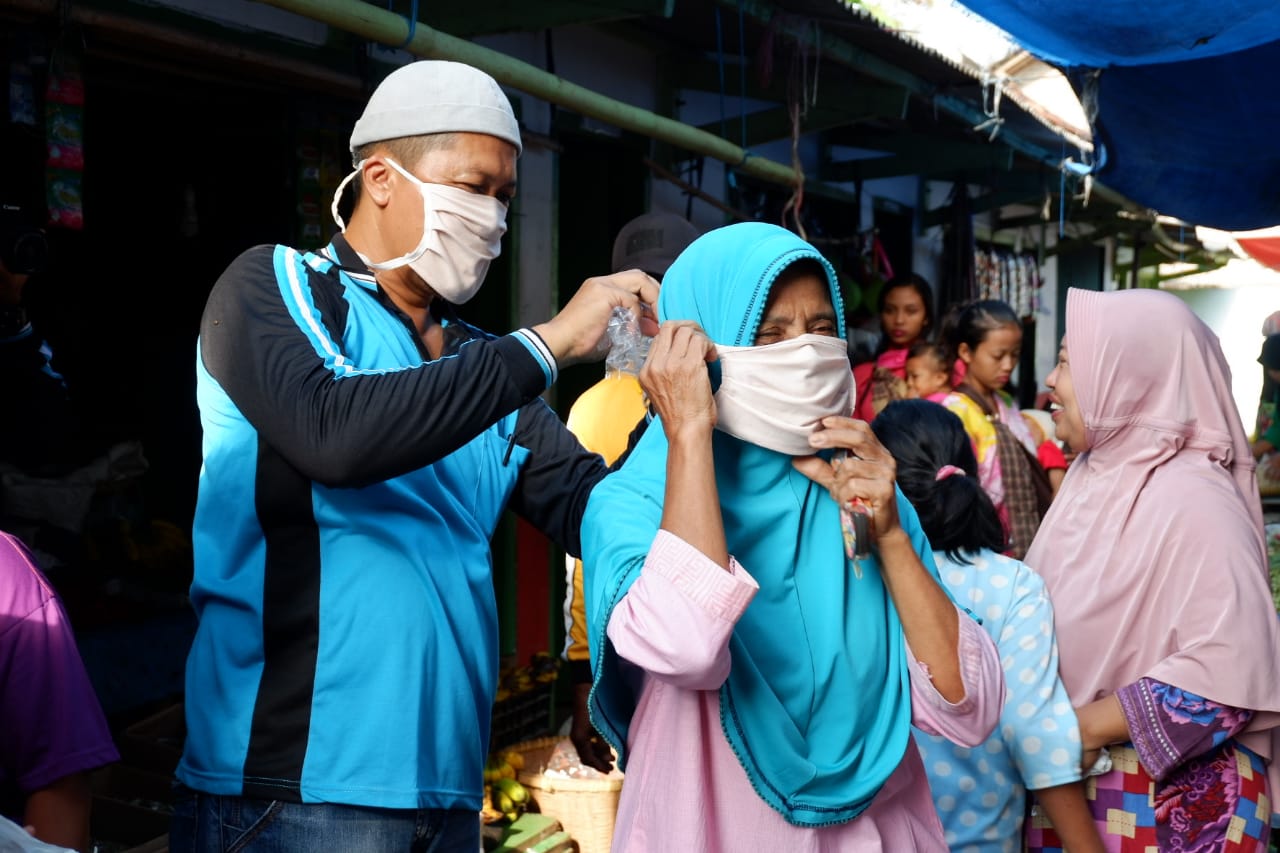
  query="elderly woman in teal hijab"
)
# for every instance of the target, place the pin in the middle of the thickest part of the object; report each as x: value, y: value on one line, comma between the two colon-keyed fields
x: 757, y: 673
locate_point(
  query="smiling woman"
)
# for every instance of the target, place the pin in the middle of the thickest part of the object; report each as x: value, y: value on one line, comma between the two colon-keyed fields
x: 1154, y: 558
x: 1068, y: 426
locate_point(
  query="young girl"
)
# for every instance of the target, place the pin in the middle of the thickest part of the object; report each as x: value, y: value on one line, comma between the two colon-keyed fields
x: 928, y: 372
x: 987, y: 338
x: 980, y: 793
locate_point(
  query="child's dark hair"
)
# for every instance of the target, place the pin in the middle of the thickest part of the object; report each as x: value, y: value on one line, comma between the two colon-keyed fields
x: 972, y: 322
x: 934, y: 350
x: 955, y: 511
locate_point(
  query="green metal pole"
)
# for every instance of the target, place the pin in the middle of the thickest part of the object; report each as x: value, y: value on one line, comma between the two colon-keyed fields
x: 391, y: 28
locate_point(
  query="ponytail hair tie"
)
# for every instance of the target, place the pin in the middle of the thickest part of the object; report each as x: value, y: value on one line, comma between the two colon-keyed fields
x: 946, y: 471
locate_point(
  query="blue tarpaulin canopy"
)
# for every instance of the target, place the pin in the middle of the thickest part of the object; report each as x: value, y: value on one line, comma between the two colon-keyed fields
x: 1182, y: 94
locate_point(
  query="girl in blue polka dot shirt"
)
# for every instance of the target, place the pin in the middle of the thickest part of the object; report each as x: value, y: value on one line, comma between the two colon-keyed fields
x: 981, y: 793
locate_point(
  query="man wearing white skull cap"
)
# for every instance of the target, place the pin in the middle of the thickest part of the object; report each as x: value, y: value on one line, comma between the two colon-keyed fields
x: 361, y: 444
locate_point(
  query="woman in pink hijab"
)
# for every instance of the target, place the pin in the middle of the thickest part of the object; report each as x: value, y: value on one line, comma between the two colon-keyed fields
x: 1154, y: 556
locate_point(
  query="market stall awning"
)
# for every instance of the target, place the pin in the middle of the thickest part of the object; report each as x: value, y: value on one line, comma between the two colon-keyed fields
x: 1261, y: 245
x: 1180, y: 94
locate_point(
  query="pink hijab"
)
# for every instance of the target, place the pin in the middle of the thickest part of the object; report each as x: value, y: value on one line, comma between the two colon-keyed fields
x: 1153, y: 550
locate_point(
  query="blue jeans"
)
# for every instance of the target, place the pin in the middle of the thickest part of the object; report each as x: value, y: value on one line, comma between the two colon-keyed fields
x: 206, y: 823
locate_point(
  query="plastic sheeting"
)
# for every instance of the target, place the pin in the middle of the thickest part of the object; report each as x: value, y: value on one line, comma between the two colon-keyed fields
x: 1096, y: 34
x: 1182, y: 97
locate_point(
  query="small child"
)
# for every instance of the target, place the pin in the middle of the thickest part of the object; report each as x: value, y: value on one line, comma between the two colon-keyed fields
x: 927, y: 374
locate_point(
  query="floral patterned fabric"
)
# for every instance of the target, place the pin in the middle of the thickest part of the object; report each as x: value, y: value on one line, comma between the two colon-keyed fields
x: 1184, y: 784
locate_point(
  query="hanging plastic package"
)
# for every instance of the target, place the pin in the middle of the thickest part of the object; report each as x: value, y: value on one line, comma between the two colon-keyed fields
x: 22, y: 93
x: 604, y: 415
x: 64, y: 131
x: 627, y: 346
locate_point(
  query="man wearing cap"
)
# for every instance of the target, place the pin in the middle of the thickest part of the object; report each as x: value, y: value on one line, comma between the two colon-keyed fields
x: 603, y: 417
x: 360, y: 446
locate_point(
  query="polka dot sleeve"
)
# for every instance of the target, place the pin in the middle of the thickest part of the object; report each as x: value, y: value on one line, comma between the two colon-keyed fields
x: 1038, y: 724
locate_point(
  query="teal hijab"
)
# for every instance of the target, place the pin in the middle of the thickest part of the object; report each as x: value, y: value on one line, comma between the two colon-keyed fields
x: 817, y: 703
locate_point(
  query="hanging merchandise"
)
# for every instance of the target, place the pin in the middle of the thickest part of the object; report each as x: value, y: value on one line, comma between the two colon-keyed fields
x: 22, y: 87
x: 958, y: 284
x: 310, y: 201
x: 1003, y: 273
x: 865, y: 264
x: 64, y: 131
x: 322, y: 164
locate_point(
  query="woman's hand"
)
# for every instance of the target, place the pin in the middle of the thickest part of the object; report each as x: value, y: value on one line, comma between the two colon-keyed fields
x: 675, y: 377
x: 930, y: 621
x: 676, y: 380
x: 1102, y: 723
x: 868, y: 474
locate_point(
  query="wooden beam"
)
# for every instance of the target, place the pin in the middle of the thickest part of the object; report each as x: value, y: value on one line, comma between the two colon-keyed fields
x: 839, y: 90
x: 944, y: 158
x: 1029, y: 221
x: 467, y: 18
x: 979, y: 204
x: 1101, y: 232
x: 774, y: 124
x: 910, y: 143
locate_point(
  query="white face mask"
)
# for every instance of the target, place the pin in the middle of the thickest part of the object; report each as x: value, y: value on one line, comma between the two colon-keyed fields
x: 461, y: 233
x: 777, y: 395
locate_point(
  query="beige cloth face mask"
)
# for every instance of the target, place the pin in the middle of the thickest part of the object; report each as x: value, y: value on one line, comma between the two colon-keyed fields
x: 461, y: 233
x: 777, y: 395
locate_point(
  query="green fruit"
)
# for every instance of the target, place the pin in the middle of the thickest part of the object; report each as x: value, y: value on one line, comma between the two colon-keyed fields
x: 502, y: 802
x: 513, y: 790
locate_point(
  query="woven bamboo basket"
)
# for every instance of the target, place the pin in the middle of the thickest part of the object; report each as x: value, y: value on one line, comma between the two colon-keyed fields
x: 585, y: 807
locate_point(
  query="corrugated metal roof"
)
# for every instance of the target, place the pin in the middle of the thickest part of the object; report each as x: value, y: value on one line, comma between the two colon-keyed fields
x: 1003, y: 62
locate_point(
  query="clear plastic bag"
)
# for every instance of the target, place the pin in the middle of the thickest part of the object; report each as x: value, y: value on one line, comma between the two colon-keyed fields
x: 564, y: 763
x: 15, y: 839
x: 627, y: 346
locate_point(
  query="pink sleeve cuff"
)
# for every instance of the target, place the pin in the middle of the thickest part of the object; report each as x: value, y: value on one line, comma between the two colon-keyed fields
x: 721, y: 593
x: 971, y: 720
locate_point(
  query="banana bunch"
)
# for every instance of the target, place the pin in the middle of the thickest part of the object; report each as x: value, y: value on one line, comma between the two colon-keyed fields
x: 543, y: 668
x: 505, y: 798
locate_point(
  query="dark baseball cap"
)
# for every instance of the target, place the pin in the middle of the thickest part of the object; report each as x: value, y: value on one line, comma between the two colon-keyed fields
x: 650, y: 242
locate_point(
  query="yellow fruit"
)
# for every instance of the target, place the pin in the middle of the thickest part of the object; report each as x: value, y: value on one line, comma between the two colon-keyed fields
x: 514, y: 758
x: 502, y: 802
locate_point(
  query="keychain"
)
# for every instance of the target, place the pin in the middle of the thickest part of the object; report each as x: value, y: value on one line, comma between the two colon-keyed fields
x: 855, y: 525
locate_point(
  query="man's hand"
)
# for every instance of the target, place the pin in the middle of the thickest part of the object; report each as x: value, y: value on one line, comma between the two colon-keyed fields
x: 577, y: 333
x: 593, y: 751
